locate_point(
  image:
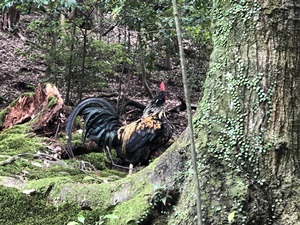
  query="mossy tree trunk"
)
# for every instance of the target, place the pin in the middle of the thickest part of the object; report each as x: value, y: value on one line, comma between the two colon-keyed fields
x: 247, y: 124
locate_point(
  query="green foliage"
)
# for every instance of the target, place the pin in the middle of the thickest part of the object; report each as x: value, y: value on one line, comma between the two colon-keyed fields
x: 160, y: 199
x: 77, y: 66
x: 155, y: 23
x: 63, y: 51
x: 4, y: 4
x: 196, y: 21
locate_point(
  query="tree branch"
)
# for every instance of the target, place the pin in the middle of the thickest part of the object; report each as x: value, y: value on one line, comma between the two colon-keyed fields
x: 109, y: 30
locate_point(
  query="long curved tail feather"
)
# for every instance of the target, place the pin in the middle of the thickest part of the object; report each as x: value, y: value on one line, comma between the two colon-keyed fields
x: 100, y: 122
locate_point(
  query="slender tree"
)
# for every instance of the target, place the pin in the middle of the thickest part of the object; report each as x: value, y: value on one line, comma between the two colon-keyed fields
x: 188, y: 103
x: 70, y: 65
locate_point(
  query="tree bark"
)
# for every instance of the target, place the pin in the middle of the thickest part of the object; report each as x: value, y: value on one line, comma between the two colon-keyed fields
x: 143, y: 66
x: 82, y: 83
x: 70, y: 66
x: 247, y: 124
x: 9, y: 17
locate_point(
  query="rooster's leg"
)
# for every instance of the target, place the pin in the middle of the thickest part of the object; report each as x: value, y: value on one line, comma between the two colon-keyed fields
x: 130, y: 169
x: 114, y: 164
x: 108, y: 150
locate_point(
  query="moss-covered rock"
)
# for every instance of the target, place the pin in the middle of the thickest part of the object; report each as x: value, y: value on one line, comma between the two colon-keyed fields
x: 19, y: 208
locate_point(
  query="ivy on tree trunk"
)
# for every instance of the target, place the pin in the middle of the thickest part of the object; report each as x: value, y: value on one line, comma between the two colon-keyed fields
x: 247, y: 124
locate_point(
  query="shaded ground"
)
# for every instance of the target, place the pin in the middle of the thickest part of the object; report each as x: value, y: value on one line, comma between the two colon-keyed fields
x: 16, y: 70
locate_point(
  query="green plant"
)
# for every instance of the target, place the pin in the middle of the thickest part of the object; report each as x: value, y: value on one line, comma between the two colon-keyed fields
x: 80, y: 219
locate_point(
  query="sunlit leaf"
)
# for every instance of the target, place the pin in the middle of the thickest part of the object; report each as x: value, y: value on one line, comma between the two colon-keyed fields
x: 80, y: 218
x: 73, y: 223
x: 110, y: 216
x: 231, y: 217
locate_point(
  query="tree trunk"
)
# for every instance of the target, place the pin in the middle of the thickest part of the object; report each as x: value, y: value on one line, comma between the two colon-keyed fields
x: 70, y: 66
x: 143, y: 66
x: 82, y: 78
x: 247, y: 124
x: 9, y: 17
x: 168, y: 52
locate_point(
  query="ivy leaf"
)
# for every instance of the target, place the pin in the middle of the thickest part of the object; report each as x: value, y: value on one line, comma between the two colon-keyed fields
x: 231, y: 217
x: 73, y: 223
x: 80, y: 218
x: 110, y: 216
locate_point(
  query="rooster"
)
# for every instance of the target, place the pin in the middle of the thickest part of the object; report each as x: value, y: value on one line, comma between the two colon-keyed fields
x: 133, y: 142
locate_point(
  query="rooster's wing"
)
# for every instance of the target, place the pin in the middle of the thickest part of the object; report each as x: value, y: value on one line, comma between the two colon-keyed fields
x: 139, y: 133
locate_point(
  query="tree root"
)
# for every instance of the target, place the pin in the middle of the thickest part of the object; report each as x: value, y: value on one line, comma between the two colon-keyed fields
x: 10, y: 160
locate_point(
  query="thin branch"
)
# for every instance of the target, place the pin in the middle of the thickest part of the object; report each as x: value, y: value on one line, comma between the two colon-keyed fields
x: 109, y: 30
x: 189, y: 111
x: 136, y: 32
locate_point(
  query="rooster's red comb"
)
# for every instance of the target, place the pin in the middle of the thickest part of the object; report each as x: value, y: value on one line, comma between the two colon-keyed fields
x: 162, y: 86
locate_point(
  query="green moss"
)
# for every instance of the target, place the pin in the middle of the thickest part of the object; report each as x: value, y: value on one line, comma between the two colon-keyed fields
x: 20, y: 209
x: 76, y: 141
x: 98, y: 160
x: 17, y: 140
x: 62, y: 189
x: 106, y: 173
x: 3, y: 113
x: 39, y: 209
x: 27, y: 94
x: 57, y: 171
x: 17, y: 167
x: 42, y: 185
x: 136, y: 209
x: 78, y: 122
x: 51, y: 101
x: 19, y: 129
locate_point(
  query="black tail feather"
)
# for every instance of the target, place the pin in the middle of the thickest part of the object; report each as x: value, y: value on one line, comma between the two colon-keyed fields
x: 98, y: 113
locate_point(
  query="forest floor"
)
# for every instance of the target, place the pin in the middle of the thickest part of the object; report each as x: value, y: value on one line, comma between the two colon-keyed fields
x: 20, y: 73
